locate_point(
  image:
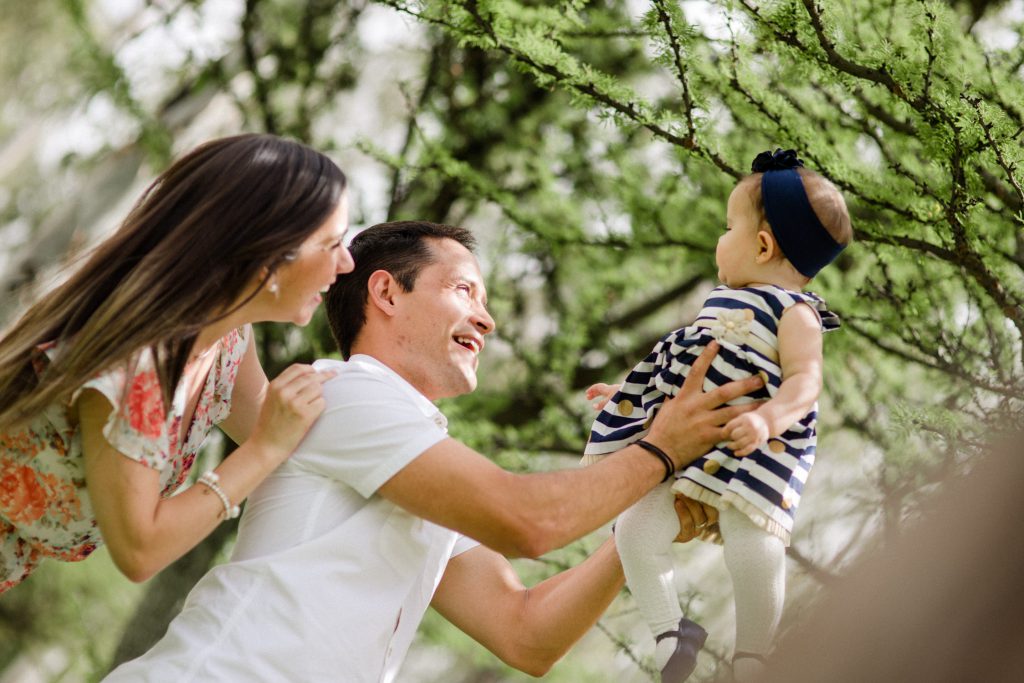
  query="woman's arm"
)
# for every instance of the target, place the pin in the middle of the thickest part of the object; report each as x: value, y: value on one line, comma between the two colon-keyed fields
x: 246, y: 397
x: 145, y: 532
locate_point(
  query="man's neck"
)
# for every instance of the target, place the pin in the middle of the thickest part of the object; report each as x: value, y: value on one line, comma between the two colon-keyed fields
x: 391, y: 362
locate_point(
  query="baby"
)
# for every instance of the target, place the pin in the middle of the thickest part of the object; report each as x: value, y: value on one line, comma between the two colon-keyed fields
x: 784, y: 224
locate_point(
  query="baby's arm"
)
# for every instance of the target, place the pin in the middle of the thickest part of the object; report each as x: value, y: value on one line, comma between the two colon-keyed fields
x: 800, y: 358
x: 602, y: 392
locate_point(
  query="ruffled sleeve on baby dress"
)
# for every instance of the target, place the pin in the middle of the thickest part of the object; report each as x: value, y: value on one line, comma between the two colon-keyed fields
x: 829, y: 320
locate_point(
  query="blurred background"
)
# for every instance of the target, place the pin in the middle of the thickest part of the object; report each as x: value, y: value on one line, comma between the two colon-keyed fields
x: 591, y: 146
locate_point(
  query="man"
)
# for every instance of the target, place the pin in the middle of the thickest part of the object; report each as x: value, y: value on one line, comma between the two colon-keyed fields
x: 341, y: 551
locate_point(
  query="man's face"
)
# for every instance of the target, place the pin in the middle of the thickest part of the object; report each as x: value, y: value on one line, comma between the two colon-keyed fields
x: 442, y: 323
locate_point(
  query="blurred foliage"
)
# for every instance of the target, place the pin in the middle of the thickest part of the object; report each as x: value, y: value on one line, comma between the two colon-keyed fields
x: 592, y: 146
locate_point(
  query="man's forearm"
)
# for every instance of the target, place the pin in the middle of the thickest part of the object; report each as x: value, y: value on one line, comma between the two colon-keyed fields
x: 555, y: 508
x: 560, y: 610
x: 531, y: 514
x: 528, y: 628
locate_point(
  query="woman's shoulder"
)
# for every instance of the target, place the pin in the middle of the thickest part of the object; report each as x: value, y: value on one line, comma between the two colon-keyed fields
x: 234, y: 344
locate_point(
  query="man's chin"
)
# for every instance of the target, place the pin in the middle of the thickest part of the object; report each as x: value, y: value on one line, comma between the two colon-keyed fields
x: 468, y: 386
x: 458, y: 389
x: 469, y: 382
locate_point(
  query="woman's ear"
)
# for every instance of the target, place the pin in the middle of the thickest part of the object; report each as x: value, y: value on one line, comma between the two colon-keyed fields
x: 381, y: 289
x: 767, y: 247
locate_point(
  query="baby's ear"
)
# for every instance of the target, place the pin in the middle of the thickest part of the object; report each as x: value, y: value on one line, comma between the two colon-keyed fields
x: 767, y: 247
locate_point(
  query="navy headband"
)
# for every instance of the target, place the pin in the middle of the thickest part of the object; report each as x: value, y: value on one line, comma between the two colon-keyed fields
x: 801, y: 236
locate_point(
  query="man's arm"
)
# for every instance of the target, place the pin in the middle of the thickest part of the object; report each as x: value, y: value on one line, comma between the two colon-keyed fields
x: 532, y: 628
x: 531, y: 514
x: 527, y: 628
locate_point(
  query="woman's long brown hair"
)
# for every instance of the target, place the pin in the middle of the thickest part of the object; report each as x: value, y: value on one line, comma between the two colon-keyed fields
x: 197, y: 238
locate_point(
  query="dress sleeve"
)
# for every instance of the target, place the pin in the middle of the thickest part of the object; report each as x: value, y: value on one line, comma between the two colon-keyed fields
x: 829, y: 320
x: 232, y: 351
x: 137, y: 425
x: 624, y: 417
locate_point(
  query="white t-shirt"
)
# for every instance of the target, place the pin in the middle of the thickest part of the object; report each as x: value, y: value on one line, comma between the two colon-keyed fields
x: 328, y: 581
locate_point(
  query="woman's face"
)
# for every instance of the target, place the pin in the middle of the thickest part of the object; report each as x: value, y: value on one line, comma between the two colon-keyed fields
x: 301, y: 281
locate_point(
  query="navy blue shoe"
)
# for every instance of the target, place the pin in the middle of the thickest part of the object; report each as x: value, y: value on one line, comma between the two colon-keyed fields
x: 690, y: 639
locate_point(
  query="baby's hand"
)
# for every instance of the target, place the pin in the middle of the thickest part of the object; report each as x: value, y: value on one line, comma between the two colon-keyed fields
x: 745, y: 433
x: 605, y: 391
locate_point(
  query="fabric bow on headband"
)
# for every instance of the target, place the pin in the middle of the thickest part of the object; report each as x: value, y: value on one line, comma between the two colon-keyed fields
x: 779, y: 160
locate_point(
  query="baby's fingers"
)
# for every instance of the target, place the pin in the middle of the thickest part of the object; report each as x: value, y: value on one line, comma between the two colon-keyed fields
x: 740, y: 448
x: 601, y: 389
x: 727, y: 414
x: 603, y: 392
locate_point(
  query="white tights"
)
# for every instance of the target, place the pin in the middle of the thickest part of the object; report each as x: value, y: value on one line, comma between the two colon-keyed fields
x: 755, y: 558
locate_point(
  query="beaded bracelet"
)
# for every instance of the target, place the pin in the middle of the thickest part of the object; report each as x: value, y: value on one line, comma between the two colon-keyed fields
x: 670, y: 467
x: 211, y: 480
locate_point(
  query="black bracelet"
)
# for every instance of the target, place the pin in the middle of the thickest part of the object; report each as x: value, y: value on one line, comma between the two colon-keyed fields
x: 670, y: 467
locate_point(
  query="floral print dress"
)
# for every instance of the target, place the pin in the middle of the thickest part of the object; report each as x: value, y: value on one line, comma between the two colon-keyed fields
x: 45, y: 509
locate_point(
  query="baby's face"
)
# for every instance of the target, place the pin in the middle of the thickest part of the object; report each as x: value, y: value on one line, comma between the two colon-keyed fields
x: 738, y: 247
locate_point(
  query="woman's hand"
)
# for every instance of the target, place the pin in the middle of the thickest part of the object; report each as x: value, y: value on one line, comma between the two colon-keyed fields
x: 292, y: 402
x: 602, y: 392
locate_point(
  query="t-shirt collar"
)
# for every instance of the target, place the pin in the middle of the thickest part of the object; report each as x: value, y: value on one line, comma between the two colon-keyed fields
x: 421, y: 401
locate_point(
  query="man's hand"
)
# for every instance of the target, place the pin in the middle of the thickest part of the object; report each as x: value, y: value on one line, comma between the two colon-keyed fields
x: 688, y: 425
x: 694, y: 518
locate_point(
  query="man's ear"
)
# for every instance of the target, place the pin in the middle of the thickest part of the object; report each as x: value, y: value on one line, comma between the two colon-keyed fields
x: 767, y: 247
x: 382, y: 289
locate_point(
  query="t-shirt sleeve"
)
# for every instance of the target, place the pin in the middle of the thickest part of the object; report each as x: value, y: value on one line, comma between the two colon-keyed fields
x: 370, y: 431
x: 462, y: 544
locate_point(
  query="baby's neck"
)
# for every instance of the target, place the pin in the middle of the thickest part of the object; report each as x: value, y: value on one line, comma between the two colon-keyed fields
x: 779, y: 274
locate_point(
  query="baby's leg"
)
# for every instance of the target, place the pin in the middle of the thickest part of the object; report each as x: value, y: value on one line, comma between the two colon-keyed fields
x: 757, y: 562
x: 643, y: 535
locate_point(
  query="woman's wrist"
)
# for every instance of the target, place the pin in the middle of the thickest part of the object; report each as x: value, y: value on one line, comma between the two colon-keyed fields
x: 211, y: 480
x: 267, y: 451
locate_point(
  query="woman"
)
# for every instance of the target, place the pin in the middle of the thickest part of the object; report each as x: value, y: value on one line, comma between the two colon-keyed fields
x: 110, y: 383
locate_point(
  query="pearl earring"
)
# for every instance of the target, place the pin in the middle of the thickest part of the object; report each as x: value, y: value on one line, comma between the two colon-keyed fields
x: 273, y: 288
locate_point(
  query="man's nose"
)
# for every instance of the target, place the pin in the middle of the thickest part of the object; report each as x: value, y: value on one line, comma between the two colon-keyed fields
x: 483, y: 320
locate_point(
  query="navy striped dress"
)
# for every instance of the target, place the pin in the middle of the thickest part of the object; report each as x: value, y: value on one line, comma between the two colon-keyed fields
x: 765, y: 485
